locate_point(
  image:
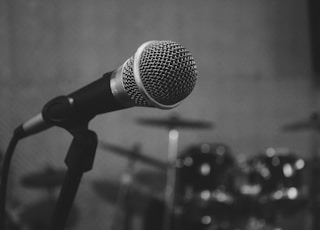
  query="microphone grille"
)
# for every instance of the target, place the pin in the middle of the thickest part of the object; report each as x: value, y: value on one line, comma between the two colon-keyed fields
x: 167, y: 74
x: 130, y: 85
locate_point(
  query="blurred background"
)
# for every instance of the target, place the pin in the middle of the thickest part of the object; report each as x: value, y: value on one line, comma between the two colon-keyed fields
x: 258, y: 88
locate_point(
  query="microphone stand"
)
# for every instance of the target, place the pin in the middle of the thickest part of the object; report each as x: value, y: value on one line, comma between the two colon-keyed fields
x: 61, y: 112
x: 79, y: 160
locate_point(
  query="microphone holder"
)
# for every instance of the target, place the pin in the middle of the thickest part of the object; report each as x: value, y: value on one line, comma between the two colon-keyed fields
x: 79, y: 160
x: 80, y: 156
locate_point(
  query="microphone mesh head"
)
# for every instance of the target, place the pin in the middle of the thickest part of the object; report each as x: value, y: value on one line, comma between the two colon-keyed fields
x: 168, y: 74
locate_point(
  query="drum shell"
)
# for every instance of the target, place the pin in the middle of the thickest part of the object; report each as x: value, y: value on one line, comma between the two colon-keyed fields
x: 204, y: 168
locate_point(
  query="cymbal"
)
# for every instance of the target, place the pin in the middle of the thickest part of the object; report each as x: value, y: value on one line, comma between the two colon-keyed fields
x: 313, y: 123
x: 110, y: 190
x: 47, y: 178
x: 144, y: 185
x: 175, y: 122
x: 133, y: 154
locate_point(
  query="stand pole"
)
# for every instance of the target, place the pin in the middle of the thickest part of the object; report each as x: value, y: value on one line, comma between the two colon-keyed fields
x: 79, y: 160
x: 171, y: 179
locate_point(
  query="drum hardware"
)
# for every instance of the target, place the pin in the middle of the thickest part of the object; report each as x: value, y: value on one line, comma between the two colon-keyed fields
x: 144, y: 185
x: 131, y: 199
x: 172, y: 124
x: 277, y: 175
x: 175, y: 122
x: 205, y: 187
x: 310, y: 124
x: 133, y: 154
x: 126, y: 185
x: 121, y: 201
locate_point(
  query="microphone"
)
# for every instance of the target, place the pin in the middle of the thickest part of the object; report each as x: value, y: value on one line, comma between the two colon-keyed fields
x: 160, y: 75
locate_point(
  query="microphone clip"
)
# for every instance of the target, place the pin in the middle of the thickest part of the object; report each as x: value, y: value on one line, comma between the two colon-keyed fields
x: 61, y: 111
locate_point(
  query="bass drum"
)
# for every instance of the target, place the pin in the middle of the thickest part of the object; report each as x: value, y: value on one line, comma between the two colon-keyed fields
x: 205, y: 186
x: 277, y: 176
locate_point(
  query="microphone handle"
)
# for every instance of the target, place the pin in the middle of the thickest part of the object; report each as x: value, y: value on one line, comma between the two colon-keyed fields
x: 96, y: 97
x: 88, y: 101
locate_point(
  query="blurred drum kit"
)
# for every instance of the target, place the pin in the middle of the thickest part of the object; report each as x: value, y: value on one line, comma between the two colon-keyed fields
x: 203, y: 187
x: 207, y: 188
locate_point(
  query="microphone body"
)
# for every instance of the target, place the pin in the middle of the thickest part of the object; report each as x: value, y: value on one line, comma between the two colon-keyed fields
x: 93, y: 99
x: 160, y: 74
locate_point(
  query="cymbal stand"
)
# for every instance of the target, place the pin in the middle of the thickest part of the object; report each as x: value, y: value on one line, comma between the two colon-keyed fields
x: 122, y: 201
x: 171, y: 178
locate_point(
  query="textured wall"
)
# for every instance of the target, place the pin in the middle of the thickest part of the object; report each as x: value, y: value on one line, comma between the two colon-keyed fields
x: 254, y: 77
